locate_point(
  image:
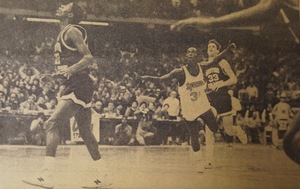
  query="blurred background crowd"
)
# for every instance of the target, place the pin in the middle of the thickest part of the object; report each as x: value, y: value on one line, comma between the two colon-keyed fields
x: 265, y: 68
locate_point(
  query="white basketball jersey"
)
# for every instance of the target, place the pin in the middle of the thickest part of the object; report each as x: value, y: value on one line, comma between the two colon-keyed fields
x: 193, y: 98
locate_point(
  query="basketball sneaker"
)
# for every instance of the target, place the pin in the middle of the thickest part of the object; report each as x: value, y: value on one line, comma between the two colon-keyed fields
x: 241, y: 134
x: 97, y: 182
x: 208, y: 166
x: 44, y: 180
x: 96, y: 175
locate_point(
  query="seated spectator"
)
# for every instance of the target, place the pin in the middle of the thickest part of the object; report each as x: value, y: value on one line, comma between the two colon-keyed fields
x: 29, y: 106
x: 51, y: 104
x: 12, y: 102
x: 253, y: 124
x: 110, y: 111
x: 123, y: 133
x: 98, y: 107
x: 119, y: 110
x: 282, y: 110
x: 174, y: 105
x: 41, y: 102
x: 132, y: 109
x: 38, y: 132
x: 146, y: 131
x: 266, y: 116
x: 282, y: 114
x: 252, y: 92
x: 2, y: 100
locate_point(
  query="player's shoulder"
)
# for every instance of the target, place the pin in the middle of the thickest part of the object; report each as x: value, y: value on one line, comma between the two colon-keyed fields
x: 224, y: 63
x: 73, y: 30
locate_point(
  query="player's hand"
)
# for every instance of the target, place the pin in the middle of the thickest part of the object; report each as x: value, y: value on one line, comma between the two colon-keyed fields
x: 231, y: 46
x: 45, y: 78
x: 61, y: 75
x: 200, y: 23
x: 137, y: 76
x: 215, y: 86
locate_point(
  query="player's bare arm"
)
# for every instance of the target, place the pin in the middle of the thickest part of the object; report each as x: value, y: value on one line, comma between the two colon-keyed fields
x: 240, y: 17
x: 75, y: 36
x: 176, y: 73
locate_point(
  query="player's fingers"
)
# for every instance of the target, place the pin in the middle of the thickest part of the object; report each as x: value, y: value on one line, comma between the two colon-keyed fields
x: 232, y: 46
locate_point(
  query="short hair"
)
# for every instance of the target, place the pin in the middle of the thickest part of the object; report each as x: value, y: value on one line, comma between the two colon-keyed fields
x: 214, y: 41
x: 77, y: 12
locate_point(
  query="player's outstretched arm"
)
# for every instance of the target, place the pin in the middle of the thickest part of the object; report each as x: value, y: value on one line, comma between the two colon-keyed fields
x: 244, y: 16
x: 291, y: 140
x: 173, y: 74
x: 74, y: 35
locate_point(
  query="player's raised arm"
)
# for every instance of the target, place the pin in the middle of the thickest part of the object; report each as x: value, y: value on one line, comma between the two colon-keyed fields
x: 222, y: 55
x: 75, y: 36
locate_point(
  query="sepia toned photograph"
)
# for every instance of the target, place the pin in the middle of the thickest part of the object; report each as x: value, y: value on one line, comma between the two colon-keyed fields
x: 149, y: 94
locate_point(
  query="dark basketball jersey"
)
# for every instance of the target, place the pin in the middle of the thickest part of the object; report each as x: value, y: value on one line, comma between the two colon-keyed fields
x: 66, y: 54
x: 79, y: 87
x: 214, y: 73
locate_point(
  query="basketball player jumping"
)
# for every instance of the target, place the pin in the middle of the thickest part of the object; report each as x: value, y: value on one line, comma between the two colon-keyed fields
x: 194, y: 102
x: 72, y: 58
x: 219, y: 76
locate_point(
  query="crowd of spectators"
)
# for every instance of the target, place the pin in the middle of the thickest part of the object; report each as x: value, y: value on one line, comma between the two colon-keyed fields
x: 160, y: 9
x: 262, y: 77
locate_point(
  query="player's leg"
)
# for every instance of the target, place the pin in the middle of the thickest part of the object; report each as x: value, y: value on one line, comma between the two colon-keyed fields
x: 291, y: 140
x: 83, y: 119
x: 64, y: 111
x: 97, y: 168
x: 193, y: 129
x: 196, y: 155
x: 230, y: 130
x: 211, y: 126
x: 208, y: 150
x: 227, y: 124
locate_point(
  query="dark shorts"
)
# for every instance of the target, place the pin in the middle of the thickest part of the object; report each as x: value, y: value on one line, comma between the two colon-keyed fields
x: 221, y: 102
x: 82, y: 86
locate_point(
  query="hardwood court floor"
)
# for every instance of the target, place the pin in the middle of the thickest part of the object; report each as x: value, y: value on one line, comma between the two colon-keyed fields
x: 163, y: 167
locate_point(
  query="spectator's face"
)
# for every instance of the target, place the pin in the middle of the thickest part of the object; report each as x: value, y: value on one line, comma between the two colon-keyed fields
x: 41, y: 100
x: 134, y: 105
x: 110, y: 106
x: 13, y: 97
x: 151, y: 106
x: 98, y: 105
x: 124, y: 120
x: 212, y: 50
x: 143, y: 107
x: 31, y: 99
